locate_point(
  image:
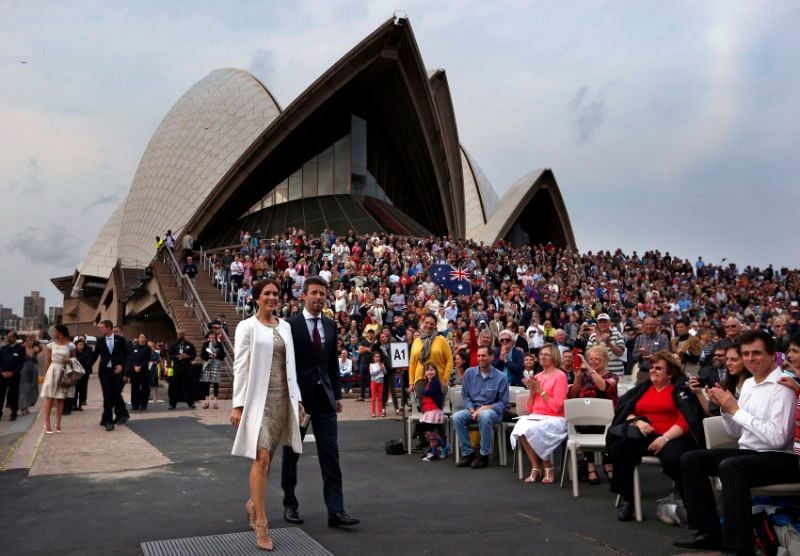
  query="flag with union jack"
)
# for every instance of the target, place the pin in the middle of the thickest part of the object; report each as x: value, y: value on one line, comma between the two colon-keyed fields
x: 455, y: 279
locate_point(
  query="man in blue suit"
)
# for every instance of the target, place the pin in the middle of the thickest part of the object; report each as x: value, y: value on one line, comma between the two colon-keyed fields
x: 314, y: 337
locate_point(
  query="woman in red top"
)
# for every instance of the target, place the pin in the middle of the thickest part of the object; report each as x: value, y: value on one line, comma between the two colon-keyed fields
x: 668, y: 417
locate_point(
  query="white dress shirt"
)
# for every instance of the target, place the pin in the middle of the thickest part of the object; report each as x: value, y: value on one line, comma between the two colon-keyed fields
x: 310, y: 324
x: 765, y: 420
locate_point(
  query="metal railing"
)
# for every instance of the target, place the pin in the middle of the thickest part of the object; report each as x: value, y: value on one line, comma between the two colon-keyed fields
x: 188, y: 293
x: 224, y: 286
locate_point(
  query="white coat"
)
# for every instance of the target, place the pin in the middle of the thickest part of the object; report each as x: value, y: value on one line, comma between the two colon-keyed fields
x: 251, y: 369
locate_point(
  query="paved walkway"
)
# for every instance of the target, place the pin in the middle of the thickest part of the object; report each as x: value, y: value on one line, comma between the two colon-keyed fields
x: 168, y: 474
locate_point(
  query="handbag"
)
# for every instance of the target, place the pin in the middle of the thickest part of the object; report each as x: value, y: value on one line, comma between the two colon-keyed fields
x: 72, y: 373
x: 627, y: 430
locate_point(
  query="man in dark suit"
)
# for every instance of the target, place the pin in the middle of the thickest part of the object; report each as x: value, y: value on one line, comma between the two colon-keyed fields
x: 113, y: 352
x: 12, y: 357
x: 715, y: 373
x: 315, y: 352
x: 181, y: 352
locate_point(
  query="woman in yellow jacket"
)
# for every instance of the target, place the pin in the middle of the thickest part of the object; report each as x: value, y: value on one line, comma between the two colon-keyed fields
x: 429, y: 348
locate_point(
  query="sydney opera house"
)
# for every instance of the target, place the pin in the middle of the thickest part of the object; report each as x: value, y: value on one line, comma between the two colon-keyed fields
x: 371, y: 145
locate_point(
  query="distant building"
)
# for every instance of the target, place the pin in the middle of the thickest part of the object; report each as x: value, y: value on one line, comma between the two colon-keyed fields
x: 33, y: 308
x: 54, y: 315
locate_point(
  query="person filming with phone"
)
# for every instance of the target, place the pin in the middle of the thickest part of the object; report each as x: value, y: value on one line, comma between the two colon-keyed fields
x: 735, y: 375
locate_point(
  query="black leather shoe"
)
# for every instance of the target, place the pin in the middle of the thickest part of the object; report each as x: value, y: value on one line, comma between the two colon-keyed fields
x: 292, y: 516
x: 626, y: 512
x: 341, y: 519
x: 122, y: 420
x: 699, y: 540
x: 466, y: 461
x: 737, y: 553
x: 13, y: 417
x: 480, y: 462
x: 109, y: 427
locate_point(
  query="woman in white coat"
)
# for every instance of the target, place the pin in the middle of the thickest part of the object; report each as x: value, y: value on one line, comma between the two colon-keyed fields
x: 266, y: 398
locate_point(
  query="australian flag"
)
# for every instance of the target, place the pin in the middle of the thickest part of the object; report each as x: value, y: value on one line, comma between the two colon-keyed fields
x: 455, y: 279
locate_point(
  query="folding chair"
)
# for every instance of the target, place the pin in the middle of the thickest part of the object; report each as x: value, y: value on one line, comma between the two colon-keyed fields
x: 416, y: 415
x: 718, y: 437
x: 583, y: 412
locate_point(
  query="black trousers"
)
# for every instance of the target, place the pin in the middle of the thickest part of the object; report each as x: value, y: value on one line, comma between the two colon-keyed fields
x: 82, y: 390
x: 388, y: 387
x: 140, y: 389
x: 9, y: 394
x: 363, y: 381
x: 326, y: 436
x: 738, y: 470
x: 113, y: 404
x: 180, y: 385
x: 629, y: 454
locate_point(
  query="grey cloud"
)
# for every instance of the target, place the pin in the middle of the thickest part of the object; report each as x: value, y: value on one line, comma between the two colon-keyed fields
x: 51, y: 245
x: 100, y: 201
x: 589, y: 115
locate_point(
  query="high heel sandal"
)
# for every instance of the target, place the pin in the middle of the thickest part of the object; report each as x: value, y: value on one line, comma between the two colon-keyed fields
x: 263, y: 540
x: 48, y: 431
x: 535, y: 475
x: 549, y: 475
x: 251, y: 513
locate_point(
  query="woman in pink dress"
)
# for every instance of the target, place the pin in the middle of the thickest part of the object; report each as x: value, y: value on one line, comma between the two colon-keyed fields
x: 541, y: 432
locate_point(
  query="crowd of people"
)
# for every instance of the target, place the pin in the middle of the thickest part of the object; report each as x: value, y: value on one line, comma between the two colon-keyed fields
x: 695, y: 338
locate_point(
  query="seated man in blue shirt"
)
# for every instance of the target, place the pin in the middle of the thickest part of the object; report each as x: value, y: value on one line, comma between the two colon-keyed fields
x: 485, y: 393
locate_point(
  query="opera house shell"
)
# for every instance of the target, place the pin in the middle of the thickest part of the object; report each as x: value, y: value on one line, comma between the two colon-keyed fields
x: 371, y: 145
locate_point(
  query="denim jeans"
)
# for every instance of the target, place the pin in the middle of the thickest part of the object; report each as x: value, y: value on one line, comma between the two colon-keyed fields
x: 486, y: 421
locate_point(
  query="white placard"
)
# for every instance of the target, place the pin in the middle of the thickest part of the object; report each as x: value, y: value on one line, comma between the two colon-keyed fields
x: 398, y: 355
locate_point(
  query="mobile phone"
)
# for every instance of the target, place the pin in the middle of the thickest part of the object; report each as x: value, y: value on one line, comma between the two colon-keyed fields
x: 704, y: 381
x: 576, y: 359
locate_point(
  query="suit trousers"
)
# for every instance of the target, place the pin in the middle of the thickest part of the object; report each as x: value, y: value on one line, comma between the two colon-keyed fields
x: 738, y: 470
x: 140, y: 389
x: 9, y: 394
x: 113, y: 404
x: 326, y: 437
x: 180, y: 385
x: 388, y: 388
x: 82, y: 390
x: 630, y: 453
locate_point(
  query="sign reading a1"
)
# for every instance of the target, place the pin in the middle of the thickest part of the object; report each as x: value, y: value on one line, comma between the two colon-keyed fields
x: 399, y: 352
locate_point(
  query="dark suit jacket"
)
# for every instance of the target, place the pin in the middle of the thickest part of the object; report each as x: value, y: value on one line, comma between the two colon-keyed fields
x: 709, y: 373
x: 118, y: 357
x: 311, y: 371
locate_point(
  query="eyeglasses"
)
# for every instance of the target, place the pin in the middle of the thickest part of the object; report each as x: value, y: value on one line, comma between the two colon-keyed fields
x: 731, y: 326
x: 505, y: 341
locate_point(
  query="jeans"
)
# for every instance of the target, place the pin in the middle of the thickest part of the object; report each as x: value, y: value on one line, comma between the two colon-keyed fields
x: 486, y: 422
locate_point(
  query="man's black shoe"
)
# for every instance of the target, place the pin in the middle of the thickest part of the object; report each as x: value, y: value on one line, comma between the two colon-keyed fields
x: 292, y: 516
x: 699, y: 540
x: 78, y: 409
x: 192, y: 406
x: 13, y: 417
x: 480, y: 461
x: 122, y: 420
x: 341, y: 519
x: 737, y: 553
x: 626, y: 512
x: 172, y: 407
x: 109, y: 427
x: 466, y: 461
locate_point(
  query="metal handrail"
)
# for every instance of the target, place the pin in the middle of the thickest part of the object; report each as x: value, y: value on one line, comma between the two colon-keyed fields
x: 188, y: 292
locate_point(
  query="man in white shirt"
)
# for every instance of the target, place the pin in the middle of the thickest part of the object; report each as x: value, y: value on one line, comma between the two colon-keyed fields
x: 763, y: 419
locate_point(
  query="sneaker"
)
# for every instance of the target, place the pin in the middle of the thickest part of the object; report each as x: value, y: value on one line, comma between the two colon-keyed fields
x: 429, y: 457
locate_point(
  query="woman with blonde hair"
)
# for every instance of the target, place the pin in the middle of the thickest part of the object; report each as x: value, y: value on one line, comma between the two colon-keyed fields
x: 266, y: 399
x: 545, y: 428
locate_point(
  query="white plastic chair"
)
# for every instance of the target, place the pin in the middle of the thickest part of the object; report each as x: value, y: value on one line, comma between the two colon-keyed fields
x: 584, y: 412
x: 718, y: 437
x: 416, y: 415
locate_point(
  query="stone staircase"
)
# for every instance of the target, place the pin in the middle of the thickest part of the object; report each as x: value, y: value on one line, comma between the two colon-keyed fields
x: 185, y: 319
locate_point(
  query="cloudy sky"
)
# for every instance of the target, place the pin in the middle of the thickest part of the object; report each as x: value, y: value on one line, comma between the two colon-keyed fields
x: 668, y: 125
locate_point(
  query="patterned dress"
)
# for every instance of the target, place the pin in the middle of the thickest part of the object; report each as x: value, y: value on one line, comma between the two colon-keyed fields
x: 277, y: 418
